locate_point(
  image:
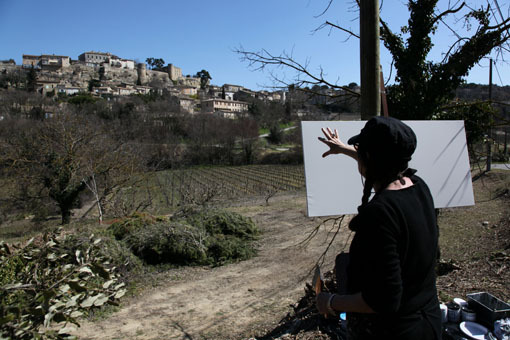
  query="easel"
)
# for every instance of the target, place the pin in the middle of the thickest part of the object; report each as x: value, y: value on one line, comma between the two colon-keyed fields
x: 384, y: 103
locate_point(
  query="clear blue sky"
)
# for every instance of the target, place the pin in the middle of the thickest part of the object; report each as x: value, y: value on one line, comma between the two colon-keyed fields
x: 202, y: 34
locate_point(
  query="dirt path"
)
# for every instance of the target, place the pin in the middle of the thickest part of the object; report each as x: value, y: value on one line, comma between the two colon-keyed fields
x: 234, y: 301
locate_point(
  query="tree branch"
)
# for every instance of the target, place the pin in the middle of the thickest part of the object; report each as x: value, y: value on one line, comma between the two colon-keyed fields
x: 498, y: 26
x: 327, y: 23
x: 325, y: 10
x: 391, y: 41
x: 447, y: 12
x: 259, y: 61
x: 463, y: 59
x: 448, y: 53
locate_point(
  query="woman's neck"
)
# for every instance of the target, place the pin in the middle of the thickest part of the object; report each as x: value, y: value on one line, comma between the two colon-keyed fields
x: 395, y: 185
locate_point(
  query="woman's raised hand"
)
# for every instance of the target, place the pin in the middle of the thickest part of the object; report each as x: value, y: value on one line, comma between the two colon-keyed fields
x: 332, y: 140
x: 336, y: 146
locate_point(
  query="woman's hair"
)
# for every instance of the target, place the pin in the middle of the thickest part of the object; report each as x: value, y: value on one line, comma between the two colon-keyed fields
x: 380, y: 167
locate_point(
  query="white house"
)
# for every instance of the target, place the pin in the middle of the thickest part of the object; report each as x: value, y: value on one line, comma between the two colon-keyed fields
x: 69, y: 90
x: 216, y: 104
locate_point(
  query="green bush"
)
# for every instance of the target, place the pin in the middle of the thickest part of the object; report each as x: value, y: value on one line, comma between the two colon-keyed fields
x: 477, y: 116
x: 169, y: 242
x: 81, y: 99
x: 200, y: 238
x: 224, y: 248
x: 137, y: 220
x: 223, y: 222
x: 11, y: 266
x: 275, y: 134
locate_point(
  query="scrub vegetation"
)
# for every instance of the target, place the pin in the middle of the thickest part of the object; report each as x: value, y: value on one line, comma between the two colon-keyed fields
x: 206, y: 237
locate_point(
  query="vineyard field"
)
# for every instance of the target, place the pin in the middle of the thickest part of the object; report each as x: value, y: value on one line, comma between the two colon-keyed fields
x: 168, y: 189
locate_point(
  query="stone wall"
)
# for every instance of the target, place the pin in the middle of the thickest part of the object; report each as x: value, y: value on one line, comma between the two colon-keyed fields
x: 190, y: 81
x: 121, y: 75
x: 158, y: 76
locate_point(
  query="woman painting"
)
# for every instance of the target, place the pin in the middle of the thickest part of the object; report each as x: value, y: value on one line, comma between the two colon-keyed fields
x: 391, y: 279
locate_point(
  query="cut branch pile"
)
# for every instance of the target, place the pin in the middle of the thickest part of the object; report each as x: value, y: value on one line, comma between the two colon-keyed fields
x: 305, y: 322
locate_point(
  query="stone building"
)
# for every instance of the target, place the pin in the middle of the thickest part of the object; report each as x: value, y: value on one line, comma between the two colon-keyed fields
x: 216, y: 104
x: 95, y: 58
x: 69, y: 90
x: 47, y: 86
x: 214, y: 91
x: 8, y: 62
x: 46, y: 61
x: 55, y: 60
x: 229, y: 91
x: 232, y: 88
x: 186, y: 104
x: 174, y: 72
x: 30, y: 60
x: 190, y: 81
x: 186, y: 90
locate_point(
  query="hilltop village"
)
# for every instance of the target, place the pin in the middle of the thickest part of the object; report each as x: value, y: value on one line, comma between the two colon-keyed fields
x: 105, y: 75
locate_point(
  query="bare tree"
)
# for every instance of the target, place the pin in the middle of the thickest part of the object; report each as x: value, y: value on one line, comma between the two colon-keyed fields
x: 59, y: 158
x: 110, y: 165
x: 421, y: 86
x: 18, y: 103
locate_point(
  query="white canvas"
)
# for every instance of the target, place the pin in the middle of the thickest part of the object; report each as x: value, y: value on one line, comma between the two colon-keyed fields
x: 334, y: 185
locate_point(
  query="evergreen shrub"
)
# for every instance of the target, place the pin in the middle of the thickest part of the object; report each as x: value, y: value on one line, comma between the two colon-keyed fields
x: 137, y: 220
x: 169, y: 242
x: 204, y: 237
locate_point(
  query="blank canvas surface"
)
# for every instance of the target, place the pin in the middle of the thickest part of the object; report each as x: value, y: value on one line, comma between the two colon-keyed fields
x: 334, y: 185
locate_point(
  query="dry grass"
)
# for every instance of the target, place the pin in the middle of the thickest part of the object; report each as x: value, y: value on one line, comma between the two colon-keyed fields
x: 477, y: 240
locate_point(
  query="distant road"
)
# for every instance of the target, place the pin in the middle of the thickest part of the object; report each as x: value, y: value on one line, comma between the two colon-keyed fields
x: 286, y: 129
x: 500, y: 166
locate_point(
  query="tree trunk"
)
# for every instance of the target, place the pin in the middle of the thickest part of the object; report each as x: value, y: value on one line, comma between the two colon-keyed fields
x: 93, y: 188
x: 65, y: 211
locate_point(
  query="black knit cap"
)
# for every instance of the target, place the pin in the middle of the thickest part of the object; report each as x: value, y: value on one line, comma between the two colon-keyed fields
x: 386, y: 136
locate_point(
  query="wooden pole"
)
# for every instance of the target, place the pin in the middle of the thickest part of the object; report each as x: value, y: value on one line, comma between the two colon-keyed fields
x: 369, y: 59
x: 505, y: 147
x: 489, y: 134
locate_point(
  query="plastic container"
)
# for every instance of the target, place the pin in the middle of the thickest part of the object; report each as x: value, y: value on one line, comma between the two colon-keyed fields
x: 468, y: 314
x: 453, y: 312
x: 488, y: 308
x: 460, y: 302
x: 444, y: 312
